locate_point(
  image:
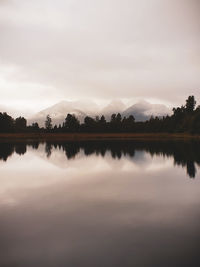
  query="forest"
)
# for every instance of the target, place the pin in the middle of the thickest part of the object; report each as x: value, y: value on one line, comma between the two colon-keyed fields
x: 185, y: 119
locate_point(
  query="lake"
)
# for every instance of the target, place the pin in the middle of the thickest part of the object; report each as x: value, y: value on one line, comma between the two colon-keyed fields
x: 100, y: 204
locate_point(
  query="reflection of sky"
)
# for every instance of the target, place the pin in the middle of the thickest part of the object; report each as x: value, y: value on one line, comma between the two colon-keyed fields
x: 95, y: 211
x: 58, y: 169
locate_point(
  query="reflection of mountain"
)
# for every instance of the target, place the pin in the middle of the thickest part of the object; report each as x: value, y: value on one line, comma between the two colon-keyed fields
x: 58, y: 112
x: 185, y: 154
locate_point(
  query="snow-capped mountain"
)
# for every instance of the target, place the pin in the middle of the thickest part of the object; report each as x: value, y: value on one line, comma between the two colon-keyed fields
x: 116, y: 106
x: 59, y: 111
x: 142, y: 110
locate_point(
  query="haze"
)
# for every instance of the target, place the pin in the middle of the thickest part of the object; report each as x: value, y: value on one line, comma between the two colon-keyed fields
x: 98, y: 50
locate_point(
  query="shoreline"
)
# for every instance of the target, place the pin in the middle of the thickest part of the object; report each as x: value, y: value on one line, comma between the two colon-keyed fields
x: 96, y: 136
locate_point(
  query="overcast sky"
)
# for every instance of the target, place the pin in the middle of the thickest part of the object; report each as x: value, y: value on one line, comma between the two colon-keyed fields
x: 99, y: 50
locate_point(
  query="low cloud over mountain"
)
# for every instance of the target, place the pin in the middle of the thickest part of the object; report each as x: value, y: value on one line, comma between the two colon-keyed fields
x: 142, y: 110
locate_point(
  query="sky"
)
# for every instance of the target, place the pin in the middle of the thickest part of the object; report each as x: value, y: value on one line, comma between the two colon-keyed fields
x: 98, y: 50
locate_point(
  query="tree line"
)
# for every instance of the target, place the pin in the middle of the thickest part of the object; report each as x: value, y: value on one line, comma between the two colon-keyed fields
x: 184, y: 119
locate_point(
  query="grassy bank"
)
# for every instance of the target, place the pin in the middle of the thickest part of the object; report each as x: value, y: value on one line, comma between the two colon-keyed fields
x: 94, y: 136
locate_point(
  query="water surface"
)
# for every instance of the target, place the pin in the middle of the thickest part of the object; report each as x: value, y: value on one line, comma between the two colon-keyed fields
x: 100, y: 204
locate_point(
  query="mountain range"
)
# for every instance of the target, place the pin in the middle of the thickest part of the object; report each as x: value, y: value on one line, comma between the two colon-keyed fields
x: 142, y: 111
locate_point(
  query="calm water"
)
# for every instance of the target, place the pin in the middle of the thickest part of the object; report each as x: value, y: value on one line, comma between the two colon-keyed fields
x: 100, y: 204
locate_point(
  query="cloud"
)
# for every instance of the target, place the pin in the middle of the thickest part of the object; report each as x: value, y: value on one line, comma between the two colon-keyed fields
x: 100, y: 49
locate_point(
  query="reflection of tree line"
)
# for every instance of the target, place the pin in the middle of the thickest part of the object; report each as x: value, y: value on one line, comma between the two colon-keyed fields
x: 7, y: 149
x: 185, y: 154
